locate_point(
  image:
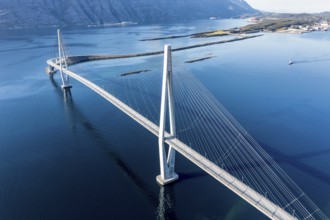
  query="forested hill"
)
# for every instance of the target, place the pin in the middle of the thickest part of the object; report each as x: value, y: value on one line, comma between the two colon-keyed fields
x: 38, y: 13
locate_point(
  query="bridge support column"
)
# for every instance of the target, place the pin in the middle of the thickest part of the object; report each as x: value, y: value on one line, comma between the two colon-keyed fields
x: 63, y: 64
x: 167, y: 161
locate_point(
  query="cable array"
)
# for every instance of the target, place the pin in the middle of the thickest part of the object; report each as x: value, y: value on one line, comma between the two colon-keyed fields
x: 137, y: 84
x: 208, y: 128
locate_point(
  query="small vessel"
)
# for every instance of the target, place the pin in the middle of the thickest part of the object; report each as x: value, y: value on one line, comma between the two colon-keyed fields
x: 290, y: 62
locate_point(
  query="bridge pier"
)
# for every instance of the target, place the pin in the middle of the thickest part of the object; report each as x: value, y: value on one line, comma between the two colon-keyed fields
x: 66, y: 91
x: 66, y: 87
x: 167, y: 162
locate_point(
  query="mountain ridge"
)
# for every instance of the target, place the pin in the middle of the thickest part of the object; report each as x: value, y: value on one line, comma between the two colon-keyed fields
x: 41, y: 13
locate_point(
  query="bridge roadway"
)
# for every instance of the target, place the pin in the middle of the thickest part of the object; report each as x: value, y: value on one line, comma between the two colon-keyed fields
x: 257, y: 200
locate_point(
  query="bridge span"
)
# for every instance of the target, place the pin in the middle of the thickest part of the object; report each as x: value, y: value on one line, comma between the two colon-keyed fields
x: 257, y: 200
x: 285, y: 206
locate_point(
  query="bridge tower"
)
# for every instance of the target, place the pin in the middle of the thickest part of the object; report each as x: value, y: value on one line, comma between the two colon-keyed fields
x: 167, y: 161
x: 62, y: 61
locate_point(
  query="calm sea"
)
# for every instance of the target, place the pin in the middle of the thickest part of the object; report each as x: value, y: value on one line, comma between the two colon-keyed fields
x: 84, y: 159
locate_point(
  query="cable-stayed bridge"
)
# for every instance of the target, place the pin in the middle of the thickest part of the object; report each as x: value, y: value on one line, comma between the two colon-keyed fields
x: 192, y: 122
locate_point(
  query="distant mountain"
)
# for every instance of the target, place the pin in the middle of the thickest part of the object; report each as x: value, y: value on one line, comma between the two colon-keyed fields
x: 39, y: 13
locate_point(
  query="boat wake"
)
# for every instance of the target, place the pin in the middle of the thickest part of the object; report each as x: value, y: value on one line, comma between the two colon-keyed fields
x: 308, y: 61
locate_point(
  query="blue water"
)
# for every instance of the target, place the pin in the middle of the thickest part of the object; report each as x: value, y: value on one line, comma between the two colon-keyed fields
x: 84, y: 159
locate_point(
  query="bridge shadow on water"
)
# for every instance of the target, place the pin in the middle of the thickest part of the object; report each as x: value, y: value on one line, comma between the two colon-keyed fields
x: 311, y: 60
x: 164, y: 204
x: 295, y: 161
x: 192, y: 175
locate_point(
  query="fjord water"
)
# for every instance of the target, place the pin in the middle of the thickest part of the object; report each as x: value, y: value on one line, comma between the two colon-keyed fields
x: 84, y: 159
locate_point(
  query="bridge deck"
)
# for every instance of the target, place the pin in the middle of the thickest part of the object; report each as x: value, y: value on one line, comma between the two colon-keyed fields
x: 257, y: 200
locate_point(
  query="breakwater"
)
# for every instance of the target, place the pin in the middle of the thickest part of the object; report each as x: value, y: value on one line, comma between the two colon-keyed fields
x: 88, y: 58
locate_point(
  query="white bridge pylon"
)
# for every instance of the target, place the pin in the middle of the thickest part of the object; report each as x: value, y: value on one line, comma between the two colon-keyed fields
x: 167, y: 162
x: 62, y: 61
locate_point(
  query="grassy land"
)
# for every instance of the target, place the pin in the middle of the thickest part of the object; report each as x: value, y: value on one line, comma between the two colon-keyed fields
x: 274, y: 25
x: 216, y: 33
